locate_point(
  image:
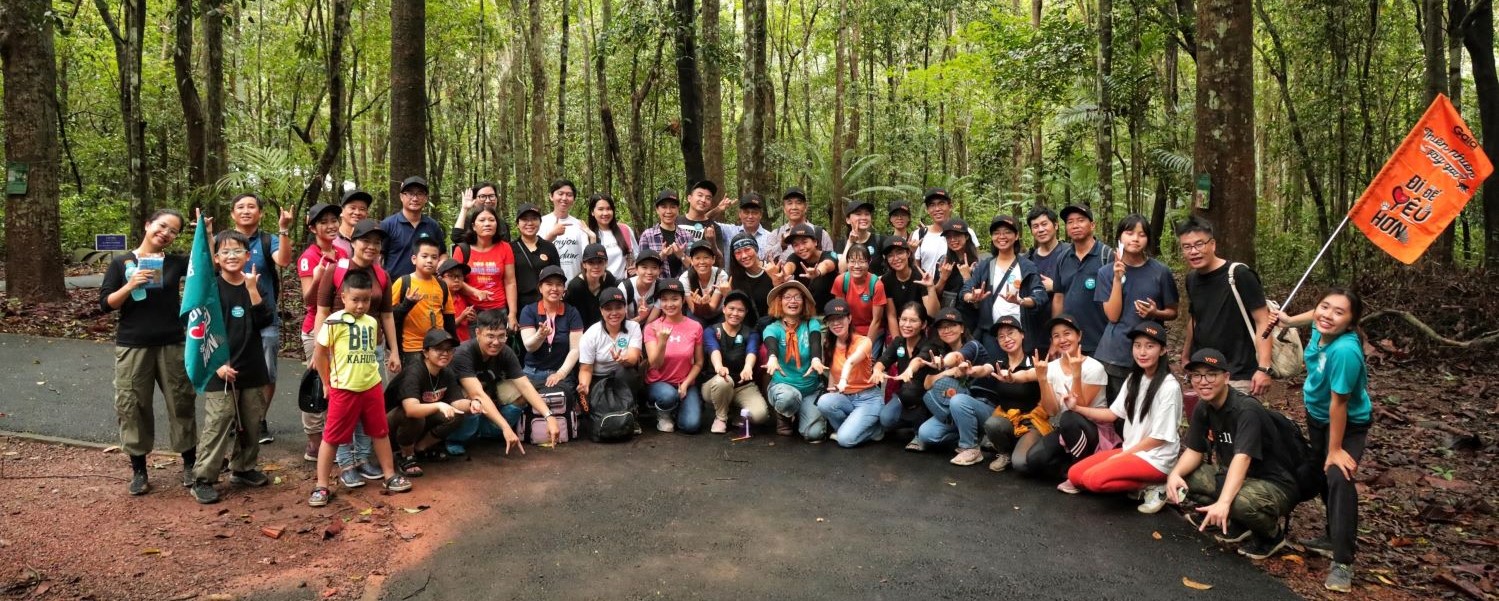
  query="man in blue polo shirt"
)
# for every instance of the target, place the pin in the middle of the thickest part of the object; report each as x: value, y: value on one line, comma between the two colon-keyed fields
x: 403, y: 229
x: 1077, y: 276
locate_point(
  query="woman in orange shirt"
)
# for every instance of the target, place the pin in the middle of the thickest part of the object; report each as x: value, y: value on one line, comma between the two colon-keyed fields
x: 854, y: 399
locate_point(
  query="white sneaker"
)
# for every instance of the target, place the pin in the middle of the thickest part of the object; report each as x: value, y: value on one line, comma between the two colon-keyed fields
x: 1068, y: 487
x: 833, y: 437
x: 719, y: 426
x: 1154, y: 498
x: 1000, y: 463
x: 664, y: 424
x: 968, y: 457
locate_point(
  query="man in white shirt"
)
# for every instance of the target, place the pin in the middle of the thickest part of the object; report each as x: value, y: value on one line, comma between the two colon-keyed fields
x: 929, y: 243
x: 568, y: 233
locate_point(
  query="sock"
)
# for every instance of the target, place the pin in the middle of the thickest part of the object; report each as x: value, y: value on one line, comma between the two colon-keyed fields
x: 189, y: 458
x: 138, y: 463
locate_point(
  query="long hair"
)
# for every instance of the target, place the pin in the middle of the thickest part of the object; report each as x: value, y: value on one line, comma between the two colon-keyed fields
x: 830, y: 341
x: 1355, y: 309
x: 970, y: 252
x: 593, y: 224
x: 1132, y: 397
x: 472, y: 237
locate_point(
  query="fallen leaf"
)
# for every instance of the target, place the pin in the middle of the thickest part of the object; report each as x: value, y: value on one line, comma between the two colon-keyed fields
x: 41, y: 589
x: 367, y: 511
x: 112, y: 449
x: 1386, y: 581
x: 417, y: 509
x: 223, y: 534
x: 1155, y: 535
x: 1293, y: 558
x: 271, y: 467
x: 150, y: 551
x: 821, y: 520
x: 329, y: 593
x: 1193, y: 584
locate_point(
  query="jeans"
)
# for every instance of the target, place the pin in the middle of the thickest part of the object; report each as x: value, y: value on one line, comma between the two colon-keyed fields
x: 792, y: 403
x: 350, y: 455
x: 664, y: 398
x: 939, y: 430
x: 478, y: 427
x: 856, y: 417
x: 890, y: 414
x: 968, y: 415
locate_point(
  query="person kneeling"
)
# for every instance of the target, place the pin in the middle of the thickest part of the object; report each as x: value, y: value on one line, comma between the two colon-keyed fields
x: 1256, y: 490
x: 424, y: 402
x: 853, y: 401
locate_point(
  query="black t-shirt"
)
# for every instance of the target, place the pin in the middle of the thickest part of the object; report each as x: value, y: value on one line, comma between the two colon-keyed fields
x: 821, y: 286
x: 587, y: 301
x: 1035, y: 319
x: 153, y: 321
x: 898, y: 354
x: 469, y: 362
x: 910, y: 291
x: 1077, y: 279
x: 874, y: 244
x: 1241, y: 426
x: 415, y: 382
x: 697, y: 229
x: 528, y: 266
x: 758, y: 288
x: 732, y: 347
x: 243, y: 322
x: 972, y: 351
x: 1217, y: 321
x: 1022, y: 396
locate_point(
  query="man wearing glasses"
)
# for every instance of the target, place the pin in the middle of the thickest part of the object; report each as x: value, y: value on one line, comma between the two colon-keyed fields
x: 403, y: 229
x: 1221, y: 294
x: 1249, y: 488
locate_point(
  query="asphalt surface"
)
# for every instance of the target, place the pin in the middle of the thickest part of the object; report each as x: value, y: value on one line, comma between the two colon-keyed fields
x: 670, y: 516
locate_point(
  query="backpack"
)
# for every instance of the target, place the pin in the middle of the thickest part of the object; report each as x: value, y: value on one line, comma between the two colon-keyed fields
x: 1306, y: 466
x: 273, y: 271
x: 1286, y: 358
x: 403, y: 285
x: 341, y: 269
x: 872, y: 280
x: 535, y: 426
x: 610, y: 411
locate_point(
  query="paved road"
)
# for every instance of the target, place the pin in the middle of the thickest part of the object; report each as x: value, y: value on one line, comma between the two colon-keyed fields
x: 678, y: 517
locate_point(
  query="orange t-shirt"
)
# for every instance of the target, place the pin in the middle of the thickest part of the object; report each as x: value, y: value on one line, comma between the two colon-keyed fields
x: 860, y: 375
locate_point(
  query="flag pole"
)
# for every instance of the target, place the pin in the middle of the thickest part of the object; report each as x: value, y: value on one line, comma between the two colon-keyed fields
x: 1326, y: 245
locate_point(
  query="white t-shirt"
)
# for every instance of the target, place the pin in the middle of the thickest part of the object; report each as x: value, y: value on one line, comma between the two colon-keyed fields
x: 597, y: 347
x: 1161, y: 423
x: 1061, y: 383
x: 997, y: 288
x: 933, y: 248
x: 616, y: 252
x: 718, y: 277
x: 569, y: 243
x: 633, y: 296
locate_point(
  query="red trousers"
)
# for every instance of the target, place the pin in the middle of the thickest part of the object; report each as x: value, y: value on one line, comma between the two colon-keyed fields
x: 1107, y: 472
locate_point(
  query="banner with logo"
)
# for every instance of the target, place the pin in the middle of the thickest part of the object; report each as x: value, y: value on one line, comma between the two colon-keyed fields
x: 207, y: 340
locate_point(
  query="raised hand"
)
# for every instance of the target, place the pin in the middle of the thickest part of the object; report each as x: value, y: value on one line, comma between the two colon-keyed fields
x: 468, y: 199
x: 945, y: 269
x: 1041, y: 365
x: 1075, y: 359
x: 927, y: 280
x: 286, y: 220
x: 965, y: 268
x: 415, y: 295
x: 1119, y: 267
x: 252, y: 279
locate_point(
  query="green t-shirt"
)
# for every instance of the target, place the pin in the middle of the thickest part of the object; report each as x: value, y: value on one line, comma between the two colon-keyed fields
x: 794, y: 373
x: 1337, y: 367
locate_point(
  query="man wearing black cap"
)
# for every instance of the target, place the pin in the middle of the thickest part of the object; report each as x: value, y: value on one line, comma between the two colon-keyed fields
x: 424, y: 403
x: 583, y: 289
x: 354, y: 207
x: 809, y: 264
x: 860, y: 220
x: 794, y: 206
x: 931, y: 245
x: 1077, y: 276
x: 751, y: 214
x: 665, y: 238
x: 408, y: 226
x: 1251, y: 486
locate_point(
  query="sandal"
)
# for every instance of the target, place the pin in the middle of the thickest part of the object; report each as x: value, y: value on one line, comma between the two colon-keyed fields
x: 397, y: 483
x: 319, y: 497
x: 432, y: 454
x: 915, y: 445
x: 407, y: 465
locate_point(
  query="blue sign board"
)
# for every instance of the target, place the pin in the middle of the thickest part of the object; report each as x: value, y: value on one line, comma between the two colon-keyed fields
x: 109, y: 242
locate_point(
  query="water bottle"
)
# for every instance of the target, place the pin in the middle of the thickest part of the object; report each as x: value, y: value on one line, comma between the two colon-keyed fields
x: 139, y: 293
x: 744, y: 416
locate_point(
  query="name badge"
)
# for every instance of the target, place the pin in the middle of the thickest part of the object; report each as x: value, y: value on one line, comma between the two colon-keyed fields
x: 1090, y: 283
x: 900, y: 352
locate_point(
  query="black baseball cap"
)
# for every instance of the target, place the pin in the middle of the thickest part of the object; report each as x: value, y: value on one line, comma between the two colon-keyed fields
x: 611, y: 294
x: 799, y: 230
x: 899, y: 205
x: 450, y: 264
x: 647, y: 254
x: 366, y: 227
x: 1149, y: 329
x: 742, y: 297
x: 935, y: 193
x: 956, y: 225
x: 894, y: 242
x: 526, y: 208
x: 1209, y: 358
x: 1003, y: 220
x: 667, y: 194
x: 702, y: 245
x: 706, y: 184
x: 353, y: 195
x: 594, y: 252
x: 794, y: 191
x: 835, y: 308
x: 855, y: 205
x: 437, y: 337
x: 666, y: 285
x: 317, y: 211
x: 550, y: 271
x: 1076, y: 208
x: 415, y: 180
x: 947, y: 314
x: 751, y: 199
x: 1065, y: 320
x: 1008, y: 321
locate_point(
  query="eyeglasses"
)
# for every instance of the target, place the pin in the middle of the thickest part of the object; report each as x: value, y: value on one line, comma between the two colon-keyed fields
x: 1202, y: 376
x: 1196, y: 246
x: 233, y: 252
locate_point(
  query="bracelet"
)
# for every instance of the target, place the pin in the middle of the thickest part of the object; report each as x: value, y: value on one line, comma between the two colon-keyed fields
x: 284, y: 233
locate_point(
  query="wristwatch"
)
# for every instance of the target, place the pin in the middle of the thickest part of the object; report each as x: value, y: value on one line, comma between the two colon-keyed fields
x: 284, y: 233
x: 1266, y: 370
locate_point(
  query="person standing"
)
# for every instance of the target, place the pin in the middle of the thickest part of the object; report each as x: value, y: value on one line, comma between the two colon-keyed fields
x: 618, y: 240
x: 407, y: 226
x: 268, y: 254
x: 1005, y: 283
x: 860, y: 220
x: 665, y: 239
x: 321, y: 256
x: 930, y: 243
x: 490, y: 274
x: 563, y: 230
x: 751, y: 223
x: 1223, y: 296
x: 794, y: 206
x: 1077, y: 277
x: 532, y: 255
x: 900, y: 220
x: 1133, y: 289
x: 1043, y: 254
x: 354, y: 207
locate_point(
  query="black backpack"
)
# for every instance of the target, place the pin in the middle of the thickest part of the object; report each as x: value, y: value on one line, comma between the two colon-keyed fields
x: 610, y: 413
x: 1305, y: 466
x: 310, y: 397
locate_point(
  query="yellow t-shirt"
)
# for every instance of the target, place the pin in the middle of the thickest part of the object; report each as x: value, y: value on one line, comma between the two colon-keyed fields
x: 352, y: 343
x: 425, y: 314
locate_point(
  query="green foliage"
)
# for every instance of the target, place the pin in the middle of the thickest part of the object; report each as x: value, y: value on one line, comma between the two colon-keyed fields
x: 85, y: 215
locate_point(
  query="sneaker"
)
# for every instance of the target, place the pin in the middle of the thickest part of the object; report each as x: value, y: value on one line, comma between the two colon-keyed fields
x: 1236, y: 533
x: 1263, y: 548
x: 350, y: 478
x: 265, y: 433
x: 833, y: 437
x: 719, y: 426
x: 187, y: 476
x: 370, y: 471
x: 968, y: 457
x: 249, y: 478
x: 1068, y: 487
x: 878, y: 435
x: 455, y: 449
x: 1000, y: 463
x: 664, y: 423
x: 309, y: 453
x: 1153, y: 498
x: 1320, y: 545
x: 139, y: 484
x: 397, y: 483
x: 1339, y: 578
x: 204, y: 493
x: 320, y: 496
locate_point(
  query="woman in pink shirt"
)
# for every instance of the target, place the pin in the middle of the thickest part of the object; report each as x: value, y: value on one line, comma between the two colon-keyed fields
x: 674, y: 346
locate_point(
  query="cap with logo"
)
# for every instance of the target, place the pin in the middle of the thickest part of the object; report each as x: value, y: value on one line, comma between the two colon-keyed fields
x: 647, y: 254
x: 666, y: 285
x: 526, y: 208
x: 551, y: 271
x: 611, y: 294
x: 948, y: 314
x: 835, y: 308
x: 855, y: 205
x: 1063, y: 320
x: 1209, y: 358
x: 751, y: 200
x: 1008, y: 321
x: 317, y: 210
x: 667, y: 195
x: 1149, y: 329
x: 956, y: 225
x: 366, y: 227
x: 594, y: 252
x: 934, y: 194
x: 1003, y: 220
x: 355, y: 195
x: 896, y: 242
x: 437, y: 337
x: 898, y: 206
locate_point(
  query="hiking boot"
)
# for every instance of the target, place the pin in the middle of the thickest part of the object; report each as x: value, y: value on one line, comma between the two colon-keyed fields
x: 397, y: 483
x: 320, y: 496
x: 664, y: 423
x: 249, y: 478
x: 1068, y: 487
x: 370, y: 471
x: 265, y: 433
x: 1000, y: 463
x: 1320, y: 545
x: 1153, y: 498
x: 1339, y: 578
x: 784, y: 426
x: 1263, y: 548
x: 139, y: 484
x: 719, y: 426
x: 968, y: 457
x: 350, y: 478
x: 204, y: 493
x: 187, y: 476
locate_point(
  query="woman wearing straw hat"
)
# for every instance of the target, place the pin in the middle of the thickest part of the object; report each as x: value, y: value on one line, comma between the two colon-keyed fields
x: 793, y: 343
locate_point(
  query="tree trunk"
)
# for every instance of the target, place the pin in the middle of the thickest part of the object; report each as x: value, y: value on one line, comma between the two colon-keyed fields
x: 606, y: 109
x: 1434, y: 47
x: 538, y: 104
x: 127, y: 45
x: 712, y: 96
x: 562, y: 93
x: 336, y: 108
x: 759, y: 98
x: 1224, y: 148
x: 31, y: 219
x: 408, y: 93
x: 1038, y: 145
x: 1478, y: 36
x: 187, y: 94
x: 835, y: 166
x: 1106, y: 109
x: 690, y: 101
x: 216, y: 163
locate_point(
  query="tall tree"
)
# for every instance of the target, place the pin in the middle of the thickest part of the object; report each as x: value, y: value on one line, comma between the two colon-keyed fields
x: 1224, y: 148
x: 1106, y: 108
x: 538, y: 110
x: 688, y: 91
x: 840, y: 50
x: 759, y: 100
x: 562, y: 91
x: 31, y: 218
x: 127, y: 45
x: 1478, y: 37
x: 333, y: 145
x: 408, y: 91
x: 1434, y: 48
x: 217, y: 163
x: 712, y: 95
x: 187, y: 93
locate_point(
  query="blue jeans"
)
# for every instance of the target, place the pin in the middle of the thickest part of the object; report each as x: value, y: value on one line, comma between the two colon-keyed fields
x: 890, y: 414
x: 968, y: 416
x: 478, y: 427
x: 855, y: 416
x: 664, y: 398
x: 792, y: 403
x: 938, y: 429
x: 357, y: 452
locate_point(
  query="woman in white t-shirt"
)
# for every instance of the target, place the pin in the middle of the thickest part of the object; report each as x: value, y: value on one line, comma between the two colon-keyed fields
x: 1048, y: 449
x: 1150, y: 403
x: 618, y: 239
x: 610, y: 350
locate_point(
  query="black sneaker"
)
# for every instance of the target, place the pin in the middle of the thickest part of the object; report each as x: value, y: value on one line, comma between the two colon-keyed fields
x: 139, y: 484
x: 265, y: 433
x: 187, y: 476
x: 1236, y: 533
x: 1262, y: 548
x: 1320, y: 545
x: 204, y: 493
x: 249, y: 478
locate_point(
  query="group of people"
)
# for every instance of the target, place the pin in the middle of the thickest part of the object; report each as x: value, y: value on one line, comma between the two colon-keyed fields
x: 1053, y: 360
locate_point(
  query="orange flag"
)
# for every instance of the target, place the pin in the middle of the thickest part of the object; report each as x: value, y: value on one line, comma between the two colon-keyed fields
x: 1424, y: 186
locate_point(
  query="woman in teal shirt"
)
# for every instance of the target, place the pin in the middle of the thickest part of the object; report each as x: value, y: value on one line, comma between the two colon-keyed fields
x: 793, y: 344
x: 1338, y: 415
